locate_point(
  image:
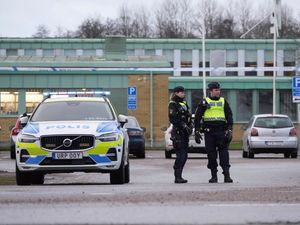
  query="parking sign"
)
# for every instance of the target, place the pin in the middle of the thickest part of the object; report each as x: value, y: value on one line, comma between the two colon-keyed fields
x: 131, y: 98
x: 296, y: 89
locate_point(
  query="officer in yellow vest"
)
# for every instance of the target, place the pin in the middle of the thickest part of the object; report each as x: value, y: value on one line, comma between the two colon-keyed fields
x: 180, y: 117
x: 213, y: 116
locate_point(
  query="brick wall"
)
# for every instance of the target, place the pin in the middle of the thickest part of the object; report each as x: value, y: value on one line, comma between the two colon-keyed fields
x: 6, y: 123
x: 160, y: 103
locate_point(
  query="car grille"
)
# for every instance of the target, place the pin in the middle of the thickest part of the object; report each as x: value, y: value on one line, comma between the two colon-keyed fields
x: 53, y: 162
x: 67, y: 142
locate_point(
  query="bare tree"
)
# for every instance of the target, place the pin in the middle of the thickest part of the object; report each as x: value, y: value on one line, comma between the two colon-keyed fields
x: 42, y: 32
x: 91, y: 28
x: 141, y: 25
x: 124, y: 21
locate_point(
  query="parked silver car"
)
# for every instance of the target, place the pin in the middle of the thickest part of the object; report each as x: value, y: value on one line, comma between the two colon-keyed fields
x: 268, y: 133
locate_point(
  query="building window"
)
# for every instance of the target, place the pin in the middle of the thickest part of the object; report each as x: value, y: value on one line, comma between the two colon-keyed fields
x: 251, y: 61
x: 268, y: 62
x: 48, y: 52
x: 286, y: 104
x: 186, y: 65
x: 30, y: 52
x: 265, y: 101
x: 89, y: 52
x: 33, y: 98
x: 70, y: 52
x: 289, y: 61
x: 206, y: 67
x: 150, y: 52
x: 168, y: 54
x: 244, y: 105
x: 197, y: 96
x: 9, y: 102
x: 231, y: 61
x: 11, y: 52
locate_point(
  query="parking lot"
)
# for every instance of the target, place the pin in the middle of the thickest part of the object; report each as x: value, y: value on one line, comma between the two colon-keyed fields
x: 266, y: 190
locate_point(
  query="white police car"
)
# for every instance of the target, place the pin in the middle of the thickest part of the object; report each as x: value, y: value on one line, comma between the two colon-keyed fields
x: 72, y: 134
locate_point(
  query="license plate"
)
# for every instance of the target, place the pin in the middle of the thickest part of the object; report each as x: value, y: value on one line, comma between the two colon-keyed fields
x: 67, y: 155
x: 274, y: 143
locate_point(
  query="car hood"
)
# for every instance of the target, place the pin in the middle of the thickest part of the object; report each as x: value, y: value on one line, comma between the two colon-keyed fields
x: 70, y: 127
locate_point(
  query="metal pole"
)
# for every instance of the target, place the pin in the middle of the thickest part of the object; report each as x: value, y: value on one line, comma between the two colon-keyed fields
x: 274, y: 63
x: 151, y: 109
x: 203, y: 50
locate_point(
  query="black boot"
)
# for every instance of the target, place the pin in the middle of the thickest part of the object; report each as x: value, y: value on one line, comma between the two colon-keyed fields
x: 178, y: 177
x: 214, y: 176
x: 227, y: 178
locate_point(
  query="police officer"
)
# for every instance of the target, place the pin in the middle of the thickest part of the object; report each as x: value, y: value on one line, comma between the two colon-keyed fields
x: 180, y: 117
x: 213, y: 116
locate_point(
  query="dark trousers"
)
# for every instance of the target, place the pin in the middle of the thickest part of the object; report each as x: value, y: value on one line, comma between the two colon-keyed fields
x: 181, y: 150
x: 215, y: 142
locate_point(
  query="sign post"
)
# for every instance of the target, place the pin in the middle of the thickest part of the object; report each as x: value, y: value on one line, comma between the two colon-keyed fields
x: 131, y: 98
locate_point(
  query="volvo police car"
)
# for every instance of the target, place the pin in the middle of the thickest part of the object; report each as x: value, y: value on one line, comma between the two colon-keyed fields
x: 72, y: 133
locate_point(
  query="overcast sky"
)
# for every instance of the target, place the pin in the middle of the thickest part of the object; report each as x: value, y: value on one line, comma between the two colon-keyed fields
x: 20, y: 18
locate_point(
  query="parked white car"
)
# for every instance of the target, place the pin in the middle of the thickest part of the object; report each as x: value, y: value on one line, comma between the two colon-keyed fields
x: 193, y: 146
x: 268, y: 133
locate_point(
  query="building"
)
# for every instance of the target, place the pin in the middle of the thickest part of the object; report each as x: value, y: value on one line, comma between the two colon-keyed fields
x: 29, y: 67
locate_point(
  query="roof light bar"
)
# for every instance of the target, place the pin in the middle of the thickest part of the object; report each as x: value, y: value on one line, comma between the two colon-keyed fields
x: 64, y: 94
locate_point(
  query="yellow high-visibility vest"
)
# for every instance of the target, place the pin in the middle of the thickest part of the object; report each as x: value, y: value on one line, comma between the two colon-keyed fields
x: 215, y: 112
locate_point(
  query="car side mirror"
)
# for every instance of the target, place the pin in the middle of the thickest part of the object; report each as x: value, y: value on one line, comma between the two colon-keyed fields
x: 144, y: 129
x: 122, y: 119
x: 24, y: 121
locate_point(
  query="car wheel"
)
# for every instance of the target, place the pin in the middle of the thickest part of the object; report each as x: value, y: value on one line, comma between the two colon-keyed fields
x: 37, y: 178
x: 168, y: 154
x: 12, y: 151
x: 294, y: 155
x: 245, y: 154
x: 250, y: 152
x: 22, y: 178
x: 118, y: 176
x: 287, y: 155
x: 141, y: 155
x: 127, y: 173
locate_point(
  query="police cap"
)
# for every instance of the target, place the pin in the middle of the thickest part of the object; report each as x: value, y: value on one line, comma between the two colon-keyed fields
x: 213, y: 85
x: 178, y: 89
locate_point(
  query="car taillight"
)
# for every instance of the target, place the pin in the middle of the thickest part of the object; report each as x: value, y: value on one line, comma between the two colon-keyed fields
x: 135, y: 133
x: 254, y: 132
x: 293, y: 132
x: 15, y: 131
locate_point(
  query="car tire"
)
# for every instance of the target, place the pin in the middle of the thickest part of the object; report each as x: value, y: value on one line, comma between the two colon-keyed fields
x: 168, y: 154
x: 245, y: 154
x: 118, y: 176
x: 37, y: 178
x: 12, y: 151
x: 250, y: 152
x: 294, y: 155
x: 141, y: 155
x: 22, y: 178
x: 287, y: 155
x: 127, y: 173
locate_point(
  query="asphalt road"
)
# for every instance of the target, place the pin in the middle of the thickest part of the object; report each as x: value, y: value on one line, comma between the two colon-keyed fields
x: 266, y: 190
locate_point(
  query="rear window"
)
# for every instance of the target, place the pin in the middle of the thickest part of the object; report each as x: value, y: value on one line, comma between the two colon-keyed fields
x: 273, y: 122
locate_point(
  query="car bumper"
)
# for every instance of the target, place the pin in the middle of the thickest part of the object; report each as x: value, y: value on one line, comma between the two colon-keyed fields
x: 274, y: 143
x: 96, y: 159
x: 136, y: 145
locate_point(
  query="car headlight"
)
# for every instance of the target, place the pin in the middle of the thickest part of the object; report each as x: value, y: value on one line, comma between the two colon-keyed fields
x: 108, y: 137
x: 27, y: 138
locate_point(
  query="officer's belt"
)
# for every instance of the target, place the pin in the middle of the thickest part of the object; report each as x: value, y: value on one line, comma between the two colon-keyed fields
x: 214, y: 119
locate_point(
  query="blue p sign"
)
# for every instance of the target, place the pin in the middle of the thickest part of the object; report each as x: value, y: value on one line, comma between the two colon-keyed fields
x: 131, y: 90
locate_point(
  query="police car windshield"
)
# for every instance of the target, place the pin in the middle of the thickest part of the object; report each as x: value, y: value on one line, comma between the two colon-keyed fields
x: 72, y: 111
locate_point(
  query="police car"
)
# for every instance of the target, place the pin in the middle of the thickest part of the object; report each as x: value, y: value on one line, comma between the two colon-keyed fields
x: 72, y: 133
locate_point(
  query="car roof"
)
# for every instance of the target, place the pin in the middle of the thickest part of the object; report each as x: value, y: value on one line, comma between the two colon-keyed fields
x: 270, y: 115
x: 76, y: 99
